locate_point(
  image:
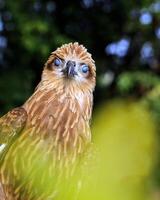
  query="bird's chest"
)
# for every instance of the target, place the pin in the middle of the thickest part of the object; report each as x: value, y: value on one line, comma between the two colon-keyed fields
x: 48, y: 116
x: 59, y: 121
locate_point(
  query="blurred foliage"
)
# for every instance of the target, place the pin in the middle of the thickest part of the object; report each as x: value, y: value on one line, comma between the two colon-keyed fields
x: 125, y: 134
x: 128, y: 33
x: 152, y: 100
x: 137, y: 82
x: 20, y: 87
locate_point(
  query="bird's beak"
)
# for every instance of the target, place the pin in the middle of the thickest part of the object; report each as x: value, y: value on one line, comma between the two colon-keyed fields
x: 70, y: 68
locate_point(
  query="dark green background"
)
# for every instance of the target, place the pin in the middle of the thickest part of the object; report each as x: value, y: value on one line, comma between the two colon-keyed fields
x: 30, y: 30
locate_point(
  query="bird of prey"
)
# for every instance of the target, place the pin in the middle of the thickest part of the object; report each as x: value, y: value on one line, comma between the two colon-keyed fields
x: 51, y: 129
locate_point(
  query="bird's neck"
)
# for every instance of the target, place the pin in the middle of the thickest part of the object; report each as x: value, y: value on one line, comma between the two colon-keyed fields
x: 62, y: 118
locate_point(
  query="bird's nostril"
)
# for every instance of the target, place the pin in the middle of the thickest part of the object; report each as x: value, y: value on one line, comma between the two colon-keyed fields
x: 70, y: 68
x: 71, y: 63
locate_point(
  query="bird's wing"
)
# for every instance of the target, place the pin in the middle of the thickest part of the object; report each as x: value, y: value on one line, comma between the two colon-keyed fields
x: 11, y: 124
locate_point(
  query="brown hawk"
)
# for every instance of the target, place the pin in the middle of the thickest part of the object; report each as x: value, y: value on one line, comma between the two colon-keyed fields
x: 51, y: 129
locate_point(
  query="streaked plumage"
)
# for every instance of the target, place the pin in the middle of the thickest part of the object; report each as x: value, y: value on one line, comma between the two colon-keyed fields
x: 54, y: 120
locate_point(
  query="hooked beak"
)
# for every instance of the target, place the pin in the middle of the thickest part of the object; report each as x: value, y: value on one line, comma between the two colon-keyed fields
x: 70, y: 68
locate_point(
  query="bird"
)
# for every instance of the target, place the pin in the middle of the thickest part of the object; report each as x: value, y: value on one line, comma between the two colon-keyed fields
x: 51, y: 129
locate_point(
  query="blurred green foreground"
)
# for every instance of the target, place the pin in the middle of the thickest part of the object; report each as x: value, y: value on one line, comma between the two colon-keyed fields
x: 119, y: 166
x: 125, y: 135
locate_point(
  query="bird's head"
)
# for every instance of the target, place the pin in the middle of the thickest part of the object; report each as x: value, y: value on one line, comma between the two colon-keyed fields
x: 70, y: 67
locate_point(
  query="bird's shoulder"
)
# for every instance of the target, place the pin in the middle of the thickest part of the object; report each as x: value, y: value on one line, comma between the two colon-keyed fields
x: 12, y: 122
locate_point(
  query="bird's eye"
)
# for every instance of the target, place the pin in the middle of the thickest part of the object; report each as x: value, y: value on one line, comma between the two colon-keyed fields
x: 57, y: 62
x: 85, y: 69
